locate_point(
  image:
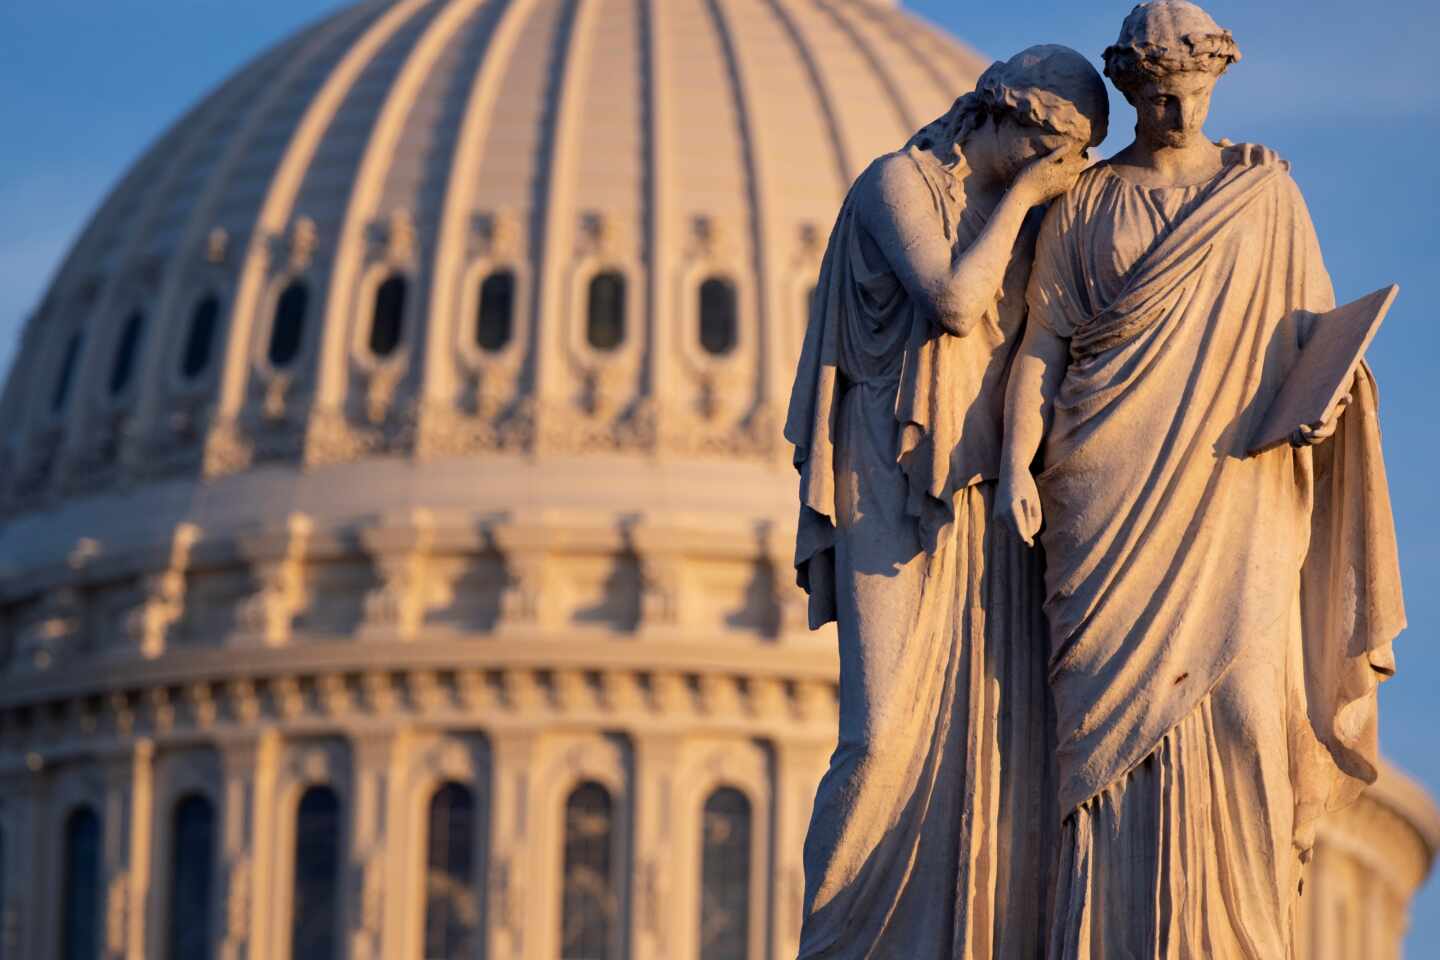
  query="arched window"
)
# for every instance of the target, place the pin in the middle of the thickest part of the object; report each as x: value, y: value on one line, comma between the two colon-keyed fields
x: 452, y: 898
x: 200, y: 337
x: 495, y: 321
x: 605, y: 311
x: 125, y: 353
x: 80, y: 905
x: 314, y: 932
x: 591, y: 907
x: 287, y: 331
x: 192, y: 867
x: 718, y: 324
x: 388, y: 321
x: 66, y: 374
x: 725, y: 877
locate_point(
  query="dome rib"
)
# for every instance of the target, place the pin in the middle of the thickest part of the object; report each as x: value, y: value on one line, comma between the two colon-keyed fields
x: 552, y: 203
x: 945, y: 86
x: 670, y: 139
x: 284, y: 188
x: 173, y: 155
x: 341, y: 313
x: 136, y: 180
x: 754, y: 187
x: 659, y: 192
x: 102, y: 225
x: 909, y: 119
x: 312, y: 44
x: 216, y: 112
x: 458, y: 209
x: 823, y: 98
x: 960, y: 65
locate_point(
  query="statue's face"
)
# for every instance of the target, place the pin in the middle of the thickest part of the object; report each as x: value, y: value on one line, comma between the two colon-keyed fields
x: 1171, y: 111
x: 1016, y: 144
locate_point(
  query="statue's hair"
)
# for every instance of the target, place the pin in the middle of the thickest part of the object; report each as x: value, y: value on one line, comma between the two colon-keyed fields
x: 1166, y: 37
x: 1047, y: 86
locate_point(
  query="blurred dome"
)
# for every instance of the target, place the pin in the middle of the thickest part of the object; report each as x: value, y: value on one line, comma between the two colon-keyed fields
x: 401, y: 441
x: 453, y: 227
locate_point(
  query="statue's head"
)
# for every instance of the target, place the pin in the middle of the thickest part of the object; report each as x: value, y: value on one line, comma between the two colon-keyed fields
x: 1166, y: 62
x: 1043, y: 98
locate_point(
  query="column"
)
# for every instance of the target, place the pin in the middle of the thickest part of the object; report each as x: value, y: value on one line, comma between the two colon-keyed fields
x: 365, y: 893
x: 127, y: 818
x: 654, y: 880
x: 246, y: 864
x: 512, y: 848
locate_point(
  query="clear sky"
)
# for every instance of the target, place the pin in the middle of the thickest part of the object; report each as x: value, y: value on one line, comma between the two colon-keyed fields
x: 1349, y: 92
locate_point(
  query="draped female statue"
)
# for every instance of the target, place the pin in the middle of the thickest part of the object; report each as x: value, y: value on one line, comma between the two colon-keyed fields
x: 1219, y: 622
x: 934, y: 828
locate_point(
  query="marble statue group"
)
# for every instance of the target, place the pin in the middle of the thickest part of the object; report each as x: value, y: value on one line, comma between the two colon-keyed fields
x: 1102, y: 668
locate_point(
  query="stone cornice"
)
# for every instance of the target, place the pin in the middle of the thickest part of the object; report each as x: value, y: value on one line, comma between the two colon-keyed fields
x: 42, y: 727
x: 805, y: 662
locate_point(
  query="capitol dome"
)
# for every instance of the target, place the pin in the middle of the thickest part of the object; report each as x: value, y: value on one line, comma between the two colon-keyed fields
x: 434, y: 229
x: 397, y: 531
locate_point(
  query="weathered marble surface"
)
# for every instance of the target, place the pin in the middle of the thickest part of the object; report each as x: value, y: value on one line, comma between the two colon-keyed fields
x: 1130, y: 758
x: 1219, y: 622
x: 942, y: 780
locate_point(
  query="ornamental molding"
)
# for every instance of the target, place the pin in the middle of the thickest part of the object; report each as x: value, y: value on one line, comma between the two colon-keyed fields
x: 394, y: 239
x: 300, y: 246
x: 217, y: 246
x: 497, y: 234
x: 302, y: 706
x: 414, y: 577
x: 281, y: 425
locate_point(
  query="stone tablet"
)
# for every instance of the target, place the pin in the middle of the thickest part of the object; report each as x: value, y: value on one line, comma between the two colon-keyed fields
x: 1326, y: 362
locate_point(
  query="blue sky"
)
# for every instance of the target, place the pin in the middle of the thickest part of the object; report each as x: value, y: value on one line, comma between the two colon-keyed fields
x: 1349, y: 92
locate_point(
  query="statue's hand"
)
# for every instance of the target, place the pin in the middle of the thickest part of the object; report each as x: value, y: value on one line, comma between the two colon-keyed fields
x: 1312, y: 433
x: 1253, y: 154
x: 1308, y: 435
x: 1017, y: 504
x: 1045, y: 178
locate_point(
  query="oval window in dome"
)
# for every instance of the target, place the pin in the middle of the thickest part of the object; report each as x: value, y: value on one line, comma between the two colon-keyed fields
x: 289, y: 325
x: 605, y: 311
x: 124, y: 365
x: 200, y: 337
x: 388, y: 321
x: 718, y: 325
x: 495, y: 321
x: 66, y: 374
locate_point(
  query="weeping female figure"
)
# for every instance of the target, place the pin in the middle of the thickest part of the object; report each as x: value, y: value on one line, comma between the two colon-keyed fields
x: 934, y: 827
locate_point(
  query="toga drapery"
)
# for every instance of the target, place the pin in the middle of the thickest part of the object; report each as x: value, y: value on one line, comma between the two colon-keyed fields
x: 1218, y: 623
x: 934, y: 828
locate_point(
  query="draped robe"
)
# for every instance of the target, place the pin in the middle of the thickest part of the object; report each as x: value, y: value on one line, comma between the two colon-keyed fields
x: 1219, y: 622
x: 934, y: 828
